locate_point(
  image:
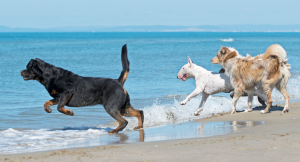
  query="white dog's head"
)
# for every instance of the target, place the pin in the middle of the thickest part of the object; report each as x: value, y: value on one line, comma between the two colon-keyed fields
x: 186, y: 70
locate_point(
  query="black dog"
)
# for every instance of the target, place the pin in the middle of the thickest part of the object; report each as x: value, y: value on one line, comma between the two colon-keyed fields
x: 73, y: 90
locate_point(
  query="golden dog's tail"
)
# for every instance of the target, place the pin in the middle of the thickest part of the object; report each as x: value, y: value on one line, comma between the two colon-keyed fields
x: 275, y: 51
x: 125, y: 64
x: 278, y: 61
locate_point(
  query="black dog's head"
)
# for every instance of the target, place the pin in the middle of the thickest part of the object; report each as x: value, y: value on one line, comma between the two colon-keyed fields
x: 32, y: 71
x: 39, y: 70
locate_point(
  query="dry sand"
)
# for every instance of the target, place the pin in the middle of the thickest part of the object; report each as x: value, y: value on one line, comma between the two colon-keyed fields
x: 278, y: 140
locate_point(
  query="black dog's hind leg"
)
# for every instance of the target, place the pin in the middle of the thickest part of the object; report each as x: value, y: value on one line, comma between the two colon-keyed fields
x: 48, y: 104
x: 63, y: 100
x: 139, y: 114
x: 261, y: 101
x: 121, y: 120
x: 129, y: 111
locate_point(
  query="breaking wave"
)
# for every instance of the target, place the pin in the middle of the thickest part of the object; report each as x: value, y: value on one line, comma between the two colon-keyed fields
x: 227, y: 40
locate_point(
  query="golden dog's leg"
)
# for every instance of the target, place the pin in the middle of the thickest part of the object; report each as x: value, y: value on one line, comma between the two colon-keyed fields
x: 237, y: 94
x: 286, y: 96
x: 142, y: 135
x: 48, y: 104
x: 250, y: 98
x: 268, y: 91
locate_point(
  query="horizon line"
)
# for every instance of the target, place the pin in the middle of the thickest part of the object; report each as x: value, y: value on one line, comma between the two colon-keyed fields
x: 150, y: 25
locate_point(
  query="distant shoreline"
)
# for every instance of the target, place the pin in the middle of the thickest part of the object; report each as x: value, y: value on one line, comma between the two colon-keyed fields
x: 153, y: 32
x: 160, y: 28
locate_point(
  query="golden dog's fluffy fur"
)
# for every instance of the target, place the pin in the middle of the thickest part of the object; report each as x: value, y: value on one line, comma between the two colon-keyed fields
x: 267, y: 71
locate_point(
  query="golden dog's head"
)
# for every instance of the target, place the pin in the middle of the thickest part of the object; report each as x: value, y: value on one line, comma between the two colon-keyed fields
x: 224, y: 54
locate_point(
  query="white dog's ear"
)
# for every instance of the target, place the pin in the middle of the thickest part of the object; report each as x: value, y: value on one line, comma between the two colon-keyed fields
x: 191, y: 65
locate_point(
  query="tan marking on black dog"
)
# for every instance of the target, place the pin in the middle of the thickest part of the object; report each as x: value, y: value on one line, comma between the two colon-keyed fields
x: 48, y: 104
x: 66, y: 111
x: 125, y: 77
x: 130, y: 111
x: 125, y: 91
x: 54, y: 92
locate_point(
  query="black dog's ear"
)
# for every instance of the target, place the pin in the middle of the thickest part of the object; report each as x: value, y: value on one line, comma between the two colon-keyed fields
x: 40, y: 62
x: 29, y: 65
x: 35, y: 68
x: 47, y: 70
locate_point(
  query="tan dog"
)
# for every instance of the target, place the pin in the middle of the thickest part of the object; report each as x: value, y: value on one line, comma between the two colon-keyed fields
x: 267, y: 70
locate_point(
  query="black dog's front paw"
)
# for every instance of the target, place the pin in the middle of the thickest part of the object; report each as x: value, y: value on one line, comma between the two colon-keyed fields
x: 48, y: 109
x: 70, y: 112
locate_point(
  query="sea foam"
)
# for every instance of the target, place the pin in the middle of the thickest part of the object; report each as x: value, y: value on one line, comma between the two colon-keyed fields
x: 17, y: 141
x: 227, y: 40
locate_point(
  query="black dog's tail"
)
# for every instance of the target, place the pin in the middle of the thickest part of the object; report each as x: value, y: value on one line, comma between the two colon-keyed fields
x: 125, y: 64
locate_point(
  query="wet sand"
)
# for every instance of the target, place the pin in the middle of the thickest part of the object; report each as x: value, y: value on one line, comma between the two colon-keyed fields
x: 277, y: 140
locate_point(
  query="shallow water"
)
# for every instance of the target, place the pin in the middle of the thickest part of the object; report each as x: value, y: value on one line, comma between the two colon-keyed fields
x: 155, y: 59
x: 169, y: 132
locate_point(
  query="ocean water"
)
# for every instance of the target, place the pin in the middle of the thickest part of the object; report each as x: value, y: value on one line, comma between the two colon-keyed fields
x: 155, y: 59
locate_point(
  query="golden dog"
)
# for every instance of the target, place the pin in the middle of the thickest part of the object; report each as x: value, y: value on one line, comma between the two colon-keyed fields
x: 267, y: 70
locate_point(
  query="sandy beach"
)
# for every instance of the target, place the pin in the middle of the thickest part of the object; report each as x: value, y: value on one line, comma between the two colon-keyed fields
x: 277, y: 140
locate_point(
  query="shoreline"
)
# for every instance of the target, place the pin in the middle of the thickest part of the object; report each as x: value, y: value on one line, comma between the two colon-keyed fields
x: 277, y: 140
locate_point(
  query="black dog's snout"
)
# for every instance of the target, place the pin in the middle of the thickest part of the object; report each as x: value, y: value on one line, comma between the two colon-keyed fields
x: 24, y: 72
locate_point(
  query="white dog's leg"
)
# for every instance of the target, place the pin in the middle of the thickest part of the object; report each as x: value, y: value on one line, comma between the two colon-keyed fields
x: 193, y: 94
x: 250, y: 98
x: 204, y: 98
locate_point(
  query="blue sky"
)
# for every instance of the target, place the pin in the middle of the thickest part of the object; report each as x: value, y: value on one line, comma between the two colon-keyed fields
x: 57, y: 13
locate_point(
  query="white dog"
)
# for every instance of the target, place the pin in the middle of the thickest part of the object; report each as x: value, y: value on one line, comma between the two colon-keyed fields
x: 207, y: 83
